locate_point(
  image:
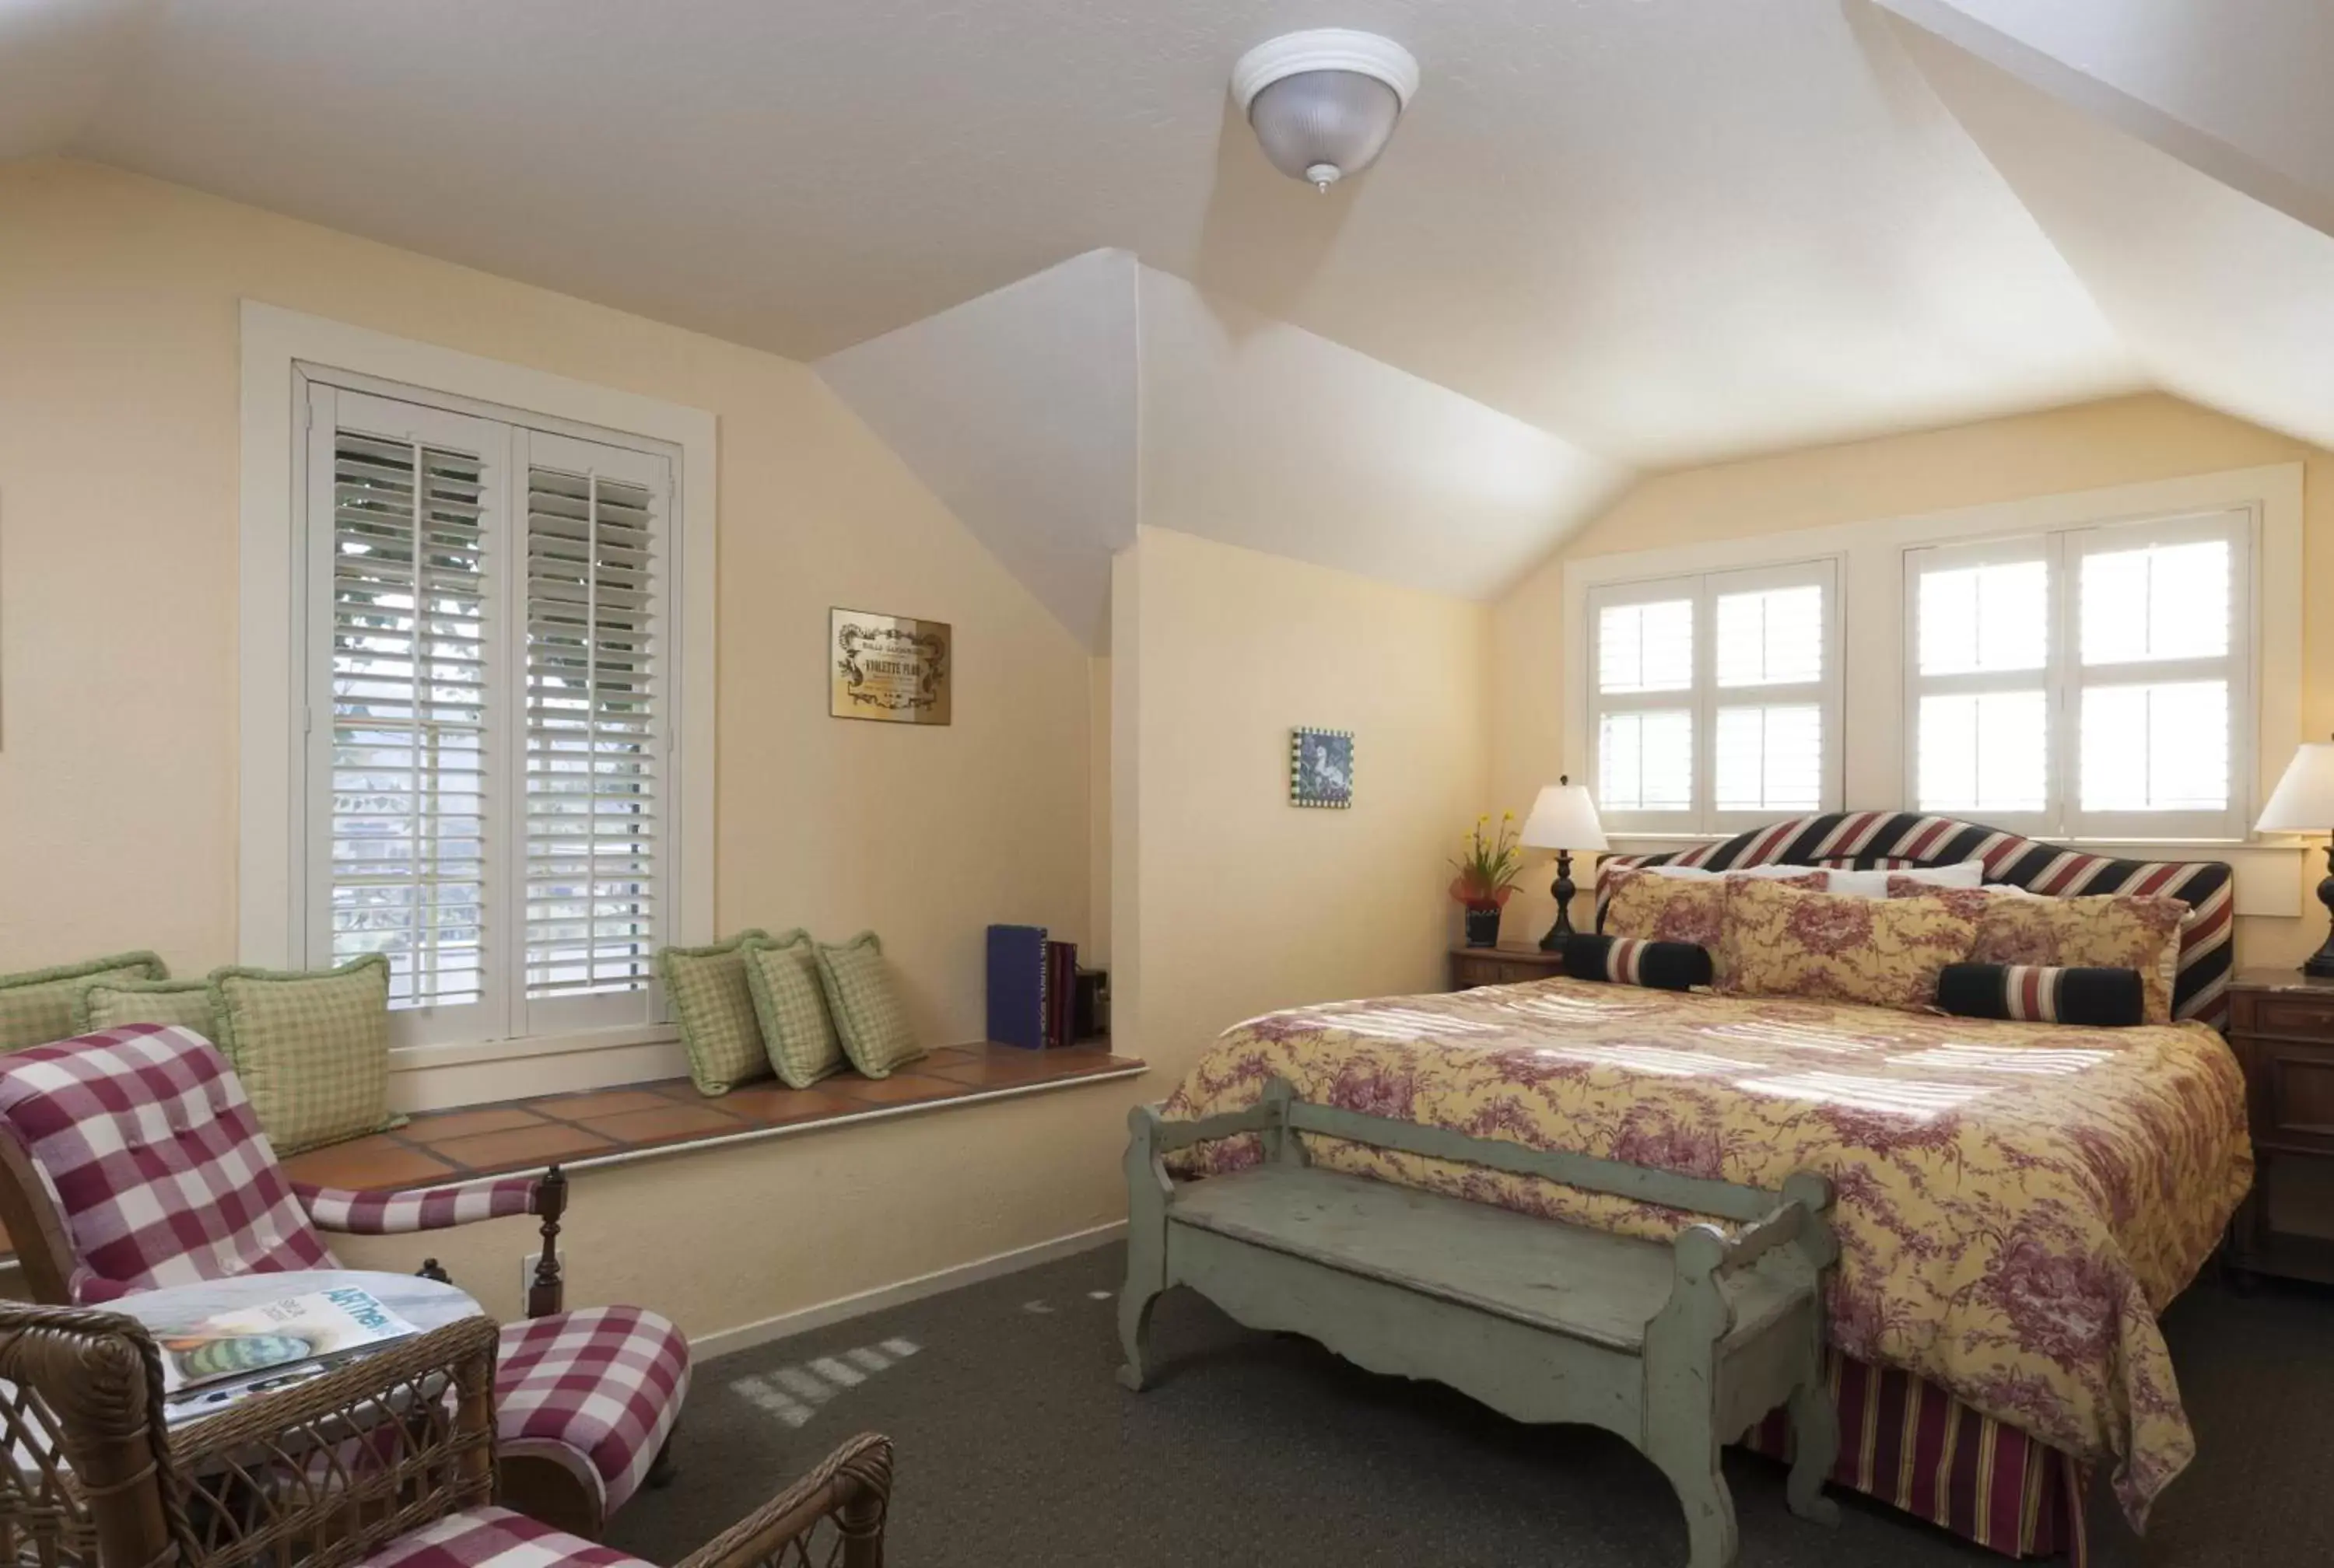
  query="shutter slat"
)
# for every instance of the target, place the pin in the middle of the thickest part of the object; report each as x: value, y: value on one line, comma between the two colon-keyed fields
x: 592, y: 717
x: 406, y: 826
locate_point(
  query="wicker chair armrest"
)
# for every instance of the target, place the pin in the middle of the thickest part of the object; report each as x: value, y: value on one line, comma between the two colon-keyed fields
x: 852, y: 1487
x: 364, y: 1452
x: 336, y: 1208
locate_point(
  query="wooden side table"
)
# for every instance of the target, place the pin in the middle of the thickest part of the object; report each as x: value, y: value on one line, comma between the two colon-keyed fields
x: 2282, y: 1024
x: 1473, y: 967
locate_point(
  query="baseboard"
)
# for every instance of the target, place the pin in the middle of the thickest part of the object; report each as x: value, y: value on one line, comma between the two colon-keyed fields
x: 746, y: 1336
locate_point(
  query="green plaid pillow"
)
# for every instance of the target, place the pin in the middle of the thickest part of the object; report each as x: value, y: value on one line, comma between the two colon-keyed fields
x: 111, y: 1004
x: 37, y: 1006
x: 707, y: 990
x: 799, y: 1037
x: 311, y: 1049
x: 866, y: 1009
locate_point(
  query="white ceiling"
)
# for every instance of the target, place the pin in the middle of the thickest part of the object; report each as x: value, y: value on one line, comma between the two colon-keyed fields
x: 1622, y: 234
x: 1054, y: 414
x: 1665, y: 229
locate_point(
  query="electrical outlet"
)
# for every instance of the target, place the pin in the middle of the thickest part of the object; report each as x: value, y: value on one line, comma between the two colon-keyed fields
x: 526, y: 1267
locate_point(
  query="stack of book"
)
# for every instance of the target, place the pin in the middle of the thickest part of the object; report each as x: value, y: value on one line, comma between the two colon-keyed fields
x: 1033, y: 987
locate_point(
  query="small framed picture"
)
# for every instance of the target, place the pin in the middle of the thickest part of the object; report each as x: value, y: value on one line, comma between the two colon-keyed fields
x: 893, y: 668
x: 1321, y: 768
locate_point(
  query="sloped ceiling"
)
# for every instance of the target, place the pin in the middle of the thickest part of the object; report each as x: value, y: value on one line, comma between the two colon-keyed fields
x: 1055, y: 415
x: 2225, y: 300
x: 57, y: 60
x: 1017, y: 410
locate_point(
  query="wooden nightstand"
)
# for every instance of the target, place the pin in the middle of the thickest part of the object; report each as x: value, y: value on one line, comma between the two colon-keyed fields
x: 1473, y: 967
x: 2281, y: 1024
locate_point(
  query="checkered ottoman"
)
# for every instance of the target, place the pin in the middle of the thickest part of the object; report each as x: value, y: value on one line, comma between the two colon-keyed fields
x: 494, y: 1538
x: 606, y: 1384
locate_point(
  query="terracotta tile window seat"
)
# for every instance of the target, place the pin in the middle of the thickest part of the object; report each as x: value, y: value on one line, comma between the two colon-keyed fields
x: 610, y: 1125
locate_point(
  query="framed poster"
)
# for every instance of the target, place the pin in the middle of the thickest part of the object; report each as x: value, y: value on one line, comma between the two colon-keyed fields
x: 1321, y: 768
x: 893, y: 669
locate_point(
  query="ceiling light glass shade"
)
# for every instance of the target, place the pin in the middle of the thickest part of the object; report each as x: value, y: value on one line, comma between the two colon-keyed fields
x: 1323, y: 125
x: 1322, y: 103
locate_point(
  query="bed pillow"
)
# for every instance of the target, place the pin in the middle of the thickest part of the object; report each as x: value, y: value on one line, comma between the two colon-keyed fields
x: 2094, y: 931
x: 1633, y: 961
x: 796, y: 1032
x: 1703, y: 874
x: 311, y: 1049
x: 1783, y: 941
x: 2039, y: 993
x: 1874, y: 884
x: 37, y: 1006
x: 1654, y: 907
x: 111, y: 1004
x: 865, y: 1005
x: 713, y: 1004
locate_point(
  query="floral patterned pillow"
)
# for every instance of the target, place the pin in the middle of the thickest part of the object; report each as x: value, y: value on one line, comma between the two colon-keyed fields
x: 1657, y: 908
x: 2097, y: 932
x: 1781, y: 942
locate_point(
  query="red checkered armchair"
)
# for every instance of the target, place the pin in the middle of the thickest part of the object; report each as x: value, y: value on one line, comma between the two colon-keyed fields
x: 131, y: 1160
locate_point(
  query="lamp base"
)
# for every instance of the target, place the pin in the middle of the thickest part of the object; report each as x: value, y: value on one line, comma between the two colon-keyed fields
x: 2320, y: 964
x: 1561, y: 932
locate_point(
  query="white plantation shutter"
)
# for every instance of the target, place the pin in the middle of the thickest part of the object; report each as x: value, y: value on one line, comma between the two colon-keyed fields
x: 1982, y: 735
x: 1775, y: 709
x: 595, y: 739
x: 2159, y: 676
x: 2089, y: 684
x: 1714, y: 701
x: 485, y: 613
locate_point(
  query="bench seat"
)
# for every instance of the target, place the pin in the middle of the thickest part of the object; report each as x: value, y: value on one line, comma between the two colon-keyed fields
x: 1674, y: 1346
x: 1584, y: 1283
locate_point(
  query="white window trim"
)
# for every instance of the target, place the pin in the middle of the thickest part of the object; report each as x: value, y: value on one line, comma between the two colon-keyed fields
x: 275, y: 343
x: 1705, y: 697
x: 1872, y: 624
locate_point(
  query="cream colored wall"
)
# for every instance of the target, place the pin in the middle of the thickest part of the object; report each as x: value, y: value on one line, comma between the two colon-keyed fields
x: 2091, y: 446
x: 1244, y: 902
x: 119, y: 490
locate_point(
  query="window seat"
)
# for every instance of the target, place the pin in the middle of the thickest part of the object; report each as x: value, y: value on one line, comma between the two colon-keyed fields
x: 610, y: 1126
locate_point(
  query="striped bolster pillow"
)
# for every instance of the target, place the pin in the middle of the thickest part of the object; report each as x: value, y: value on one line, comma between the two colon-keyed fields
x: 1634, y: 961
x: 2037, y: 993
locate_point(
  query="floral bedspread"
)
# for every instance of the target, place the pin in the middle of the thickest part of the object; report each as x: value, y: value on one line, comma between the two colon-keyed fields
x: 2016, y: 1202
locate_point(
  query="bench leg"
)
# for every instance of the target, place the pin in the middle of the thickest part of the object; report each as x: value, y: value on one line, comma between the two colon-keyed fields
x: 1815, y: 1448
x: 1710, y: 1532
x: 1135, y: 1305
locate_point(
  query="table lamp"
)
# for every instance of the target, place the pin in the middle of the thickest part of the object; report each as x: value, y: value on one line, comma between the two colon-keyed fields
x: 1563, y: 819
x: 2303, y: 802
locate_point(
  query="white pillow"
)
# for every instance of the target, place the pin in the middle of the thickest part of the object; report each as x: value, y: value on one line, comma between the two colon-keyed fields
x: 1875, y: 884
x: 1697, y: 874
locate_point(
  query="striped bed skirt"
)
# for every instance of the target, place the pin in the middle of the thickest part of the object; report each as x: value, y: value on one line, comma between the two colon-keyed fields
x: 1916, y: 1448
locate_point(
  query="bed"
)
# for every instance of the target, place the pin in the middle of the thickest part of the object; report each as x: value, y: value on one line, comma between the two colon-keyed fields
x: 2018, y: 1201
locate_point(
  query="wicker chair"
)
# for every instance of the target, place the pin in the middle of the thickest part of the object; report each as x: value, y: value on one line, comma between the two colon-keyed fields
x: 386, y: 1462
x: 132, y: 1159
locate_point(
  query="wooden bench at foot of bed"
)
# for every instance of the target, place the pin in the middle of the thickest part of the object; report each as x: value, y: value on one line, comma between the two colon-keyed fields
x: 1677, y: 1347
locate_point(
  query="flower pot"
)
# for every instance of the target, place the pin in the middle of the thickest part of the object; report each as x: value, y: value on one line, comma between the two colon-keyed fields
x: 1482, y: 925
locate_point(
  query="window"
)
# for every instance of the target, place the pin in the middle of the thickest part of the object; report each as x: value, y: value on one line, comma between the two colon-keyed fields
x: 487, y: 791
x: 1715, y: 699
x: 2091, y: 683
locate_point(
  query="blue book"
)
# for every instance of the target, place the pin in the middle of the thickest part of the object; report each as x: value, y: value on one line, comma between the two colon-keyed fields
x: 1016, y: 986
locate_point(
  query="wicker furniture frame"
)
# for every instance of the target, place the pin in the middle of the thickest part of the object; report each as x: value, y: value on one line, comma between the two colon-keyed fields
x: 323, y: 1473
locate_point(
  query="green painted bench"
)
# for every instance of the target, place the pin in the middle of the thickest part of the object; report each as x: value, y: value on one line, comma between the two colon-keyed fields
x: 1678, y: 1347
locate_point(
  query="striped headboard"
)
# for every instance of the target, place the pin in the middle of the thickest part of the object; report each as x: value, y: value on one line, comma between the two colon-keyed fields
x: 1866, y: 841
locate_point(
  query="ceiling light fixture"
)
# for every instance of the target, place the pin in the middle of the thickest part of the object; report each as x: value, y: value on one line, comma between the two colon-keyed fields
x: 1324, y: 102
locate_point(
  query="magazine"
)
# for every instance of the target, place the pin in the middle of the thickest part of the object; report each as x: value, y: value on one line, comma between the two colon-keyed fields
x: 241, y: 1347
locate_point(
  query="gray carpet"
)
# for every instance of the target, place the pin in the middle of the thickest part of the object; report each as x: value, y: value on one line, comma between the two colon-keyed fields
x: 1016, y: 1447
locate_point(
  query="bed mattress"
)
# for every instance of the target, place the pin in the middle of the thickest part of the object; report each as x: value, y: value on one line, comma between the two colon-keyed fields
x: 2016, y: 1202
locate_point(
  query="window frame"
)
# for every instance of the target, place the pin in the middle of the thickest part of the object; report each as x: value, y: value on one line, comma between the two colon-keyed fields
x: 1704, y: 697
x: 281, y: 350
x: 2064, y: 678
x: 2271, y: 879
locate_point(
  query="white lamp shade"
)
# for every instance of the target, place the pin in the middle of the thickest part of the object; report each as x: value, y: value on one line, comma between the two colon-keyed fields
x: 2304, y: 799
x: 1563, y: 818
